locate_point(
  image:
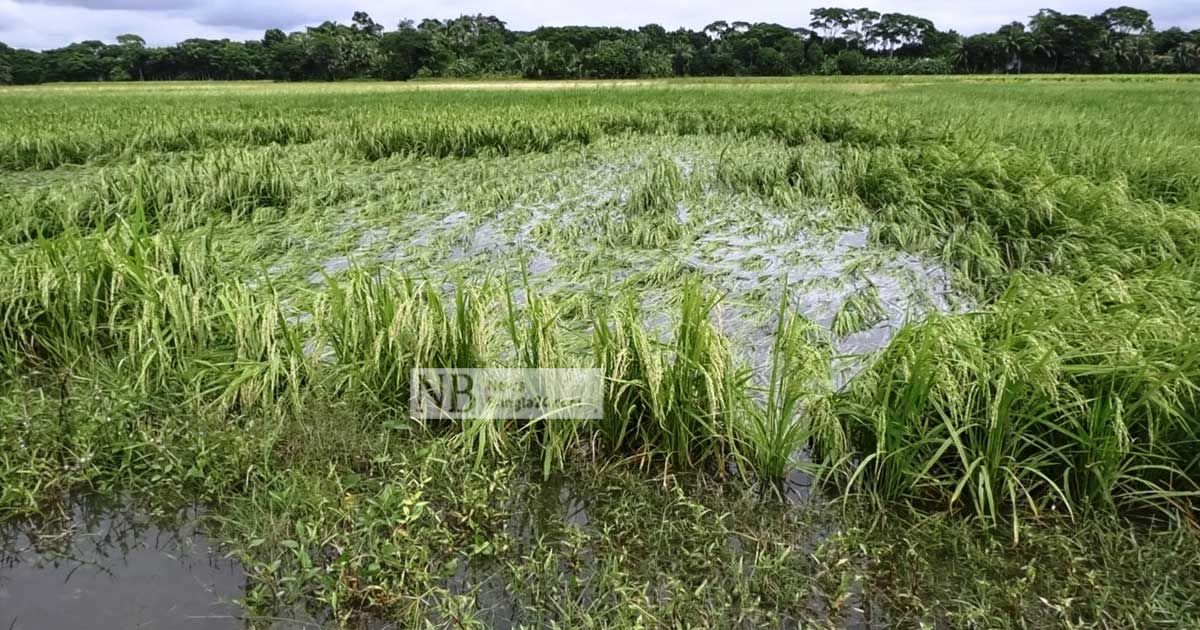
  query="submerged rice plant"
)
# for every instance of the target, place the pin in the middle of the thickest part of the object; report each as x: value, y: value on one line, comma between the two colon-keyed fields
x: 649, y: 215
x: 861, y: 310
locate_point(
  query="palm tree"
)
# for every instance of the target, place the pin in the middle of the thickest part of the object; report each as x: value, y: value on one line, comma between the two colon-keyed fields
x: 573, y: 64
x: 1186, y: 56
x: 536, y: 59
x: 958, y: 54
x: 1016, y: 43
x: 1135, y: 51
x: 681, y: 59
x: 1044, y: 44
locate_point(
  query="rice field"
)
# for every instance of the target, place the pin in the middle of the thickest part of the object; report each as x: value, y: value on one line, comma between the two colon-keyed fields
x: 876, y: 352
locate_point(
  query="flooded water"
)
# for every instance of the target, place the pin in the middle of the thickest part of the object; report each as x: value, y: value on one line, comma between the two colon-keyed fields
x: 750, y: 249
x: 558, y: 512
x: 110, y: 567
x: 98, y: 567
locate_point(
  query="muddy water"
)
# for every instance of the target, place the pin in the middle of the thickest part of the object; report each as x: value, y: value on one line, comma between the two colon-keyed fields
x: 101, y: 567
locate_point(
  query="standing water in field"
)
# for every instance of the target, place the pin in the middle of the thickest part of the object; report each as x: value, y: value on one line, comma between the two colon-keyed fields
x: 103, y: 567
x: 619, y: 220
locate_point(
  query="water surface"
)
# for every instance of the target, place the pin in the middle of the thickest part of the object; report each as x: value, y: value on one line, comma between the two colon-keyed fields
x: 102, y: 567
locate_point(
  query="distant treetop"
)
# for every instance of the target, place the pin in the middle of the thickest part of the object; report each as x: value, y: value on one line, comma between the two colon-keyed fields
x: 835, y: 41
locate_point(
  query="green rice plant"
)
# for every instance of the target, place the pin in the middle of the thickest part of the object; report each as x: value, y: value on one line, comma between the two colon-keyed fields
x: 234, y: 186
x: 128, y: 127
x: 753, y: 172
x: 267, y: 364
x: 796, y: 403
x: 21, y: 215
x: 992, y: 211
x: 154, y: 306
x: 649, y: 213
x: 677, y: 399
x: 465, y: 137
x: 533, y: 329
x: 485, y: 434
x: 785, y: 174
x: 181, y: 196
x: 861, y: 311
x: 633, y: 370
x: 657, y: 190
x: 1062, y: 397
x: 281, y: 130
x: 68, y: 298
x: 700, y: 383
x: 45, y: 150
x: 536, y: 338
x: 378, y: 329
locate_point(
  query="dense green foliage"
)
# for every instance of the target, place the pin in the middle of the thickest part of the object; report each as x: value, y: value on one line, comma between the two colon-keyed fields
x: 219, y: 290
x: 836, y: 41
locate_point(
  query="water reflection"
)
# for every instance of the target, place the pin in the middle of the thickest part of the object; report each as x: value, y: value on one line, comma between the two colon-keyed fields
x: 104, y: 566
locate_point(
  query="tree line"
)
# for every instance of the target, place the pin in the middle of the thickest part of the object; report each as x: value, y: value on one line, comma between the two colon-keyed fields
x: 835, y: 41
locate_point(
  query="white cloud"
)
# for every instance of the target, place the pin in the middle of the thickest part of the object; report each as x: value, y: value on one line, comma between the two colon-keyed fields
x: 132, y: 5
x: 41, y: 26
x: 52, y: 23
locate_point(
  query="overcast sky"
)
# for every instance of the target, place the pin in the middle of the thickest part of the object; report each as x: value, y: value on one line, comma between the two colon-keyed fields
x: 42, y: 24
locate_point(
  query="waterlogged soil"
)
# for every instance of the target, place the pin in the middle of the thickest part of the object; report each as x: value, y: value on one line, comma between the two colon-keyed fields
x: 115, y: 567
